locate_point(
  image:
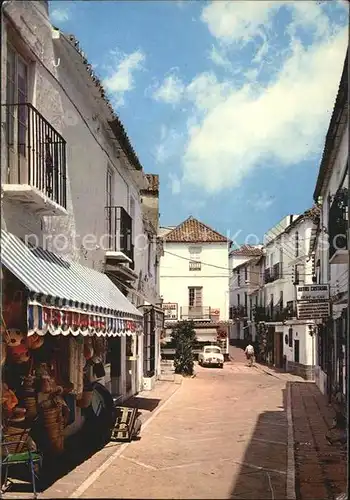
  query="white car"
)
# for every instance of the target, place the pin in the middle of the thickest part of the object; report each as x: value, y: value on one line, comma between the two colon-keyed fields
x: 211, y: 355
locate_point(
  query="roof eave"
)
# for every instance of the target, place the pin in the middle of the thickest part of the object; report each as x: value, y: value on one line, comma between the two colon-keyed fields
x: 335, y: 123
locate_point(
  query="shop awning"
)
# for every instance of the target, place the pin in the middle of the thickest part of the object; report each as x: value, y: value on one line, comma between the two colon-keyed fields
x: 69, y: 297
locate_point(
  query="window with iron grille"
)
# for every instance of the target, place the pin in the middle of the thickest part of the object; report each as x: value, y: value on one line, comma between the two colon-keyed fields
x: 194, y: 296
x: 194, y: 265
x: 238, y: 277
x: 297, y: 244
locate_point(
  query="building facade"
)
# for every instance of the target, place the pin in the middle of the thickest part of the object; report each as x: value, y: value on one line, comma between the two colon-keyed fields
x: 246, y: 291
x: 73, y: 184
x: 331, y: 246
x: 288, y: 262
x: 194, y: 278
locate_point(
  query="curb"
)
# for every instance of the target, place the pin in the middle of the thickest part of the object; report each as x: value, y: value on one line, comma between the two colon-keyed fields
x: 104, y: 466
x: 291, y: 495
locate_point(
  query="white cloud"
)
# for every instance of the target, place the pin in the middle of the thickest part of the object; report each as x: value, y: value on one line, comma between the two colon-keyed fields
x: 175, y: 184
x: 283, y: 123
x: 219, y: 57
x: 237, y: 20
x: 205, y: 91
x: 171, y: 143
x: 121, y: 79
x: 60, y: 15
x: 170, y: 91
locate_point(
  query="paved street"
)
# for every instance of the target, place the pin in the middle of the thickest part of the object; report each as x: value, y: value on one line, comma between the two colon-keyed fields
x: 223, y: 434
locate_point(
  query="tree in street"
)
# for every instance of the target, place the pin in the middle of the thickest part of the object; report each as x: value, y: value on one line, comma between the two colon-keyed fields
x: 184, y: 337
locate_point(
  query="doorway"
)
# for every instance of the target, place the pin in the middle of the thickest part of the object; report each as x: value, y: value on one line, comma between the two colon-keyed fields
x: 278, y: 348
x: 296, y: 351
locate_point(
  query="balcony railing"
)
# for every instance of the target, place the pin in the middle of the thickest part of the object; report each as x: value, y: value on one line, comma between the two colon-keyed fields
x: 338, y: 223
x: 119, y: 231
x: 274, y: 313
x: 239, y: 312
x: 36, y: 153
x: 195, y: 312
x: 194, y: 265
x: 273, y: 273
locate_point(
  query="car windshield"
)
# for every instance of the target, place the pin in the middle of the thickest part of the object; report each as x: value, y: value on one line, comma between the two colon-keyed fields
x: 213, y: 350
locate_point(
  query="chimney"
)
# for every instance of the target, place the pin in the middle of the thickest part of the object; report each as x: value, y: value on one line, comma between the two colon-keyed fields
x: 150, y: 200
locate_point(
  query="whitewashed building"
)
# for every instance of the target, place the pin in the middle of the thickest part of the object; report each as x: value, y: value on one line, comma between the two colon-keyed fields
x: 331, y: 247
x: 73, y: 184
x: 246, y: 291
x: 288, y: 262
x: 194, y: 278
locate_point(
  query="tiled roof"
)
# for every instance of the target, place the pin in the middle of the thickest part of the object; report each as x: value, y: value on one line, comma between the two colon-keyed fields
x: 247, y: 251
x: 194, y: 231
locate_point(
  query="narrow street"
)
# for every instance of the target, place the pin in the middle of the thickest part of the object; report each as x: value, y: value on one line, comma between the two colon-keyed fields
x: 223, y: 434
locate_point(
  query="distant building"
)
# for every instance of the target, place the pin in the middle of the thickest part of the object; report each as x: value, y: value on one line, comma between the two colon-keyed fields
x: 246, y: 291
x: 194, y: 278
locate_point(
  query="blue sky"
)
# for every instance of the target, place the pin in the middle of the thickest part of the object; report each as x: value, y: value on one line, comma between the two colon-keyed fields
x: 229, y: 102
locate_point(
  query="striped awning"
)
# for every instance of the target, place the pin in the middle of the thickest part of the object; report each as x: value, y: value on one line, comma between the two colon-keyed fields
x: 56, y: 284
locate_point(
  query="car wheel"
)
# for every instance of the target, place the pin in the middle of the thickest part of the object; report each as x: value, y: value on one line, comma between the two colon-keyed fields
x: 221, y: 366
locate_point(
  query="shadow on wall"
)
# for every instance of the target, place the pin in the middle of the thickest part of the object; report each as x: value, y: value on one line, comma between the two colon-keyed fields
x: 263, y: 470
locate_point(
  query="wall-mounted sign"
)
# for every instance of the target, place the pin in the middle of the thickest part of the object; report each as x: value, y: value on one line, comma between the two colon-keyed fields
x: 312, y: 292
x: 313, y: 301
x: 170, y: 310
x: 313, y: 310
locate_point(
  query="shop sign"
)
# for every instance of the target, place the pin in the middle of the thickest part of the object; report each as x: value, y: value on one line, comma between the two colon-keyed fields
x: 170, y: 310
x: 312, y: 292
x: 318, y: 309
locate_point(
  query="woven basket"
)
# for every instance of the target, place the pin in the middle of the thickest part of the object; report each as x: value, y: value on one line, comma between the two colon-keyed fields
x: 30, y: 404
x: 53, y: 424
x: 12, y: 434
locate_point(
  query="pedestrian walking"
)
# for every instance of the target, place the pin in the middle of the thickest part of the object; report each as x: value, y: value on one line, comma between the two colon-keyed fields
x: 249, y: 352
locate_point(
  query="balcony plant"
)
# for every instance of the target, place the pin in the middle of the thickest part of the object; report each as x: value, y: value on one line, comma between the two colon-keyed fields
x: 183, y: 336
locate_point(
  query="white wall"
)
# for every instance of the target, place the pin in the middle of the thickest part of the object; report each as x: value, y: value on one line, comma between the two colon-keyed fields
x: 175, y: 277
x: 286, y: 242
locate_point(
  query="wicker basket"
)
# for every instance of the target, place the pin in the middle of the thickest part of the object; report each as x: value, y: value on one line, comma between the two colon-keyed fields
x: 53, y: 424
x: 30, y: 404
x: 12, y: 434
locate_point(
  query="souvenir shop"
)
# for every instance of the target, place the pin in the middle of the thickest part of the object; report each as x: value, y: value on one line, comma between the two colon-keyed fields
x: 53, y: 354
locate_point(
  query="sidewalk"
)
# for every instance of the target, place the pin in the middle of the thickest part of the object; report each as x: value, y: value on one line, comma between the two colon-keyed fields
x: 320, y: 468
x: 147, y: 402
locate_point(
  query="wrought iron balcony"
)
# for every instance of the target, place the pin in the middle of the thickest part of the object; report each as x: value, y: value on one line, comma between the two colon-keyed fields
x: 119, y: 233
x: 194, y: 265
x: 337, y: 228
x: 36, y: 161
x: 239, y: 312
x: 195, y: 313
x: 273, y: 273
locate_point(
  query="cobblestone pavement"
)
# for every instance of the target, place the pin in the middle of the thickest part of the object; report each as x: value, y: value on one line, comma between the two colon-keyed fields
x: 321, y: 471
x: 222, y: 435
